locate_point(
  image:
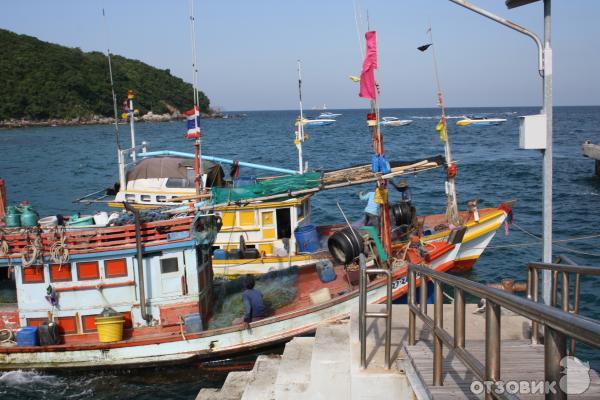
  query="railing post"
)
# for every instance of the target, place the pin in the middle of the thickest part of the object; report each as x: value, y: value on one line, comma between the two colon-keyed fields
x: 492, y: 344
x: 555, y: 348
x: 362, y: 305
x: 412, y: 292
x: 423, y: 294
x: 565, y: 291
x: 554, y: 286
x: 576, y: 292
x: 438, y: 323
x: 535, y: 326
x: 459, y: 318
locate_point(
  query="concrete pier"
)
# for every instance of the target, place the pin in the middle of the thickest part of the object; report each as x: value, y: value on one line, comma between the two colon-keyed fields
x: 327, y: 366
x: 592, y: 151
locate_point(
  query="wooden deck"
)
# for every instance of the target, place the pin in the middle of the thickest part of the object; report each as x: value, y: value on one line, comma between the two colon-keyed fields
x: 520, y: 362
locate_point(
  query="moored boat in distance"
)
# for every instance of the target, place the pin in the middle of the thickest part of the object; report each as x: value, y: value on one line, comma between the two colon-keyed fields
x: 479, y: 121
x: 318, y: 121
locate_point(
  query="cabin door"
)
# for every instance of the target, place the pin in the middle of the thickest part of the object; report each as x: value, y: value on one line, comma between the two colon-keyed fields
x: 166, y: 275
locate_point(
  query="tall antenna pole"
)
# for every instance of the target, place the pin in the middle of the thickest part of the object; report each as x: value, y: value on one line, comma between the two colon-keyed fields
x: 112, y: 84
x: 452, y: 203
x: 300, y: 132
x: 198, y: 183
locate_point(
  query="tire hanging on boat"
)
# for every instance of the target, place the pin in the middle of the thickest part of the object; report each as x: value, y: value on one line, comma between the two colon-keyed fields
x: 345, y: 245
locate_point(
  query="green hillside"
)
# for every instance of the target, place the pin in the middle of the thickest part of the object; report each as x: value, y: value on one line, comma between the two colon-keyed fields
x: 40, y: 80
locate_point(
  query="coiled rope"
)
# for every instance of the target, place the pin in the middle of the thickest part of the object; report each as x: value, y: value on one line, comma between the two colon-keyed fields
x: 32, y: 251
x: 59, y: 253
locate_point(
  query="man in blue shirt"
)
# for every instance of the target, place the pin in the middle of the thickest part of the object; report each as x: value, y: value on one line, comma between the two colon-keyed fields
x: 254, y: 306
x: 403, y: 189
x: 371, y: 210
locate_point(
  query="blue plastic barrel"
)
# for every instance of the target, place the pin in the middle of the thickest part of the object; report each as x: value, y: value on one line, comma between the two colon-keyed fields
x: 27, y: 336
x: 193, y: 323
x: 220, y: 254
x: 307, y: 239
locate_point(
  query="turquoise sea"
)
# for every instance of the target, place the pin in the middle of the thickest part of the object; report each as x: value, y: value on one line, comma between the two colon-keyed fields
x: 50, y: 167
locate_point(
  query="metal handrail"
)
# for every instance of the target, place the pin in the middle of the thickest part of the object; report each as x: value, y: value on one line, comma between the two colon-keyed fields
x: 564, y: 270
x: 363, y: 314
x: 558, y: 323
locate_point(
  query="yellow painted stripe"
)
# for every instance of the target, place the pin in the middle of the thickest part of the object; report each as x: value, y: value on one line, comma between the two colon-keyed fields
x: 262, y: 260
x: 470, y: 225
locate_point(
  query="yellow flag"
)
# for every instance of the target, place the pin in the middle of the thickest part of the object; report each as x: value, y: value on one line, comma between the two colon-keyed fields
x: 442, y: 129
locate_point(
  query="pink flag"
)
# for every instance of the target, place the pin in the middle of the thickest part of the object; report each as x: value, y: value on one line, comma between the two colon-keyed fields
x: 367, y: 76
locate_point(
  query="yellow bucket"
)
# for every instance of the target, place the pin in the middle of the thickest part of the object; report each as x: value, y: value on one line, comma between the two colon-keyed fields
x: 110, y: 329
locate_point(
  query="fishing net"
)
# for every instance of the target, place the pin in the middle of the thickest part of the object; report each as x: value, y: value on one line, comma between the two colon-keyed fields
x: 268, y: 187
x: 277, y: 287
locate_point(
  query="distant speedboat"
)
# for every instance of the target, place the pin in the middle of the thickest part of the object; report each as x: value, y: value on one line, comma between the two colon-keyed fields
x: 481, y: 121
x: 317, y: 121
x: 328, y: 115
x: 393, y: 121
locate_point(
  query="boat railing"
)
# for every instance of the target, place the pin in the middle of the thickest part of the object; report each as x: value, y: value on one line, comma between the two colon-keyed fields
x: 563, y: 272
x: 558, y: 324
x: 122, y: 159
x: 363, y: 314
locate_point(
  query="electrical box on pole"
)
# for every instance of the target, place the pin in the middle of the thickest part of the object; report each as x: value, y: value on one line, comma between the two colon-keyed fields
x: 532, y: 132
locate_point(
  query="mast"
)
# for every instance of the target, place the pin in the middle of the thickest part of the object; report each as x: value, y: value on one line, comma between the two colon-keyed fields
x: 112, y: 84
x: 300, y: 127
x: 130, y: 111
x: 198, y: 184
x: 452, y: 203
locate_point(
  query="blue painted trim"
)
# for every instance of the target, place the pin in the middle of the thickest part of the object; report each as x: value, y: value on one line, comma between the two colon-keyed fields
x: 109, y: 254
x: 218, y: 160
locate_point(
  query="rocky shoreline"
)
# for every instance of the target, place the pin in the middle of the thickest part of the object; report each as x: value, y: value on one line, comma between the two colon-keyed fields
x: 100, y: 120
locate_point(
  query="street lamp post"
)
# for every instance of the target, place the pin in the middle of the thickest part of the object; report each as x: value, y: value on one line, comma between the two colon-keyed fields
x: 545, y: 69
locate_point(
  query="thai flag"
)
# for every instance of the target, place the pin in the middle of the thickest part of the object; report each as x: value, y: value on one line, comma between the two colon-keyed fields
x: 193, y: 123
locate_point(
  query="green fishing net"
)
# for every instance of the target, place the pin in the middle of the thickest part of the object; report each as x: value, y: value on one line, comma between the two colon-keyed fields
x: 268, y: 187
x: 277, y: 287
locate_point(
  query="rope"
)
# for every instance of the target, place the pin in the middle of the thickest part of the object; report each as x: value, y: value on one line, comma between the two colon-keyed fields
x: 4, y: 248
x: 10, y: 337
x: 539, y: 239
x: 59, y: 253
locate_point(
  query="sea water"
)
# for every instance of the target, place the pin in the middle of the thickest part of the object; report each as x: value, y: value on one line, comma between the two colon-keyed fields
x: 50, y: 167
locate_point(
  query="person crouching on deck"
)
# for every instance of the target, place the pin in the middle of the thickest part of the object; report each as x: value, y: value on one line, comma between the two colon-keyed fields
x: 254, y: 305
x: 371, y: 210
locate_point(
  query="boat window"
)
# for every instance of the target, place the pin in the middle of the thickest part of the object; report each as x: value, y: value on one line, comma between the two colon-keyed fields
x: 176, y: 183
x: 161, y: 199
x: 130, y: 197
x: 145, y: 197
x: 168, y: 265
x: 284, y: 223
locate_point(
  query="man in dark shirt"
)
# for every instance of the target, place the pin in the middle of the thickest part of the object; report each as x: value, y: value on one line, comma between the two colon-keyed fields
x: 254, y: 306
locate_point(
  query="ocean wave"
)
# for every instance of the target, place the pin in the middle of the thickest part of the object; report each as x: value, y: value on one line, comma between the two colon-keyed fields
x: 20, y: 378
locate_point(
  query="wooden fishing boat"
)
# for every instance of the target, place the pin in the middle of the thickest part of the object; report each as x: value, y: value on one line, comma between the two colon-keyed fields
x: 156, y: 282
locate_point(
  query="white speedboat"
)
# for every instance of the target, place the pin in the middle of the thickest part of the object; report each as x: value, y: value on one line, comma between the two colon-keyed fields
x: 328, y: 115
x: 481, y: 121
x: 393, y: 121
x: 318, y: 121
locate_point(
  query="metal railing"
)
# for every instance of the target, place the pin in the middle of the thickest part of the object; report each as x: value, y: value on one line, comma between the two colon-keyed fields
x: 558, y: 325
x: 363, y: 314
x: 563, y: 268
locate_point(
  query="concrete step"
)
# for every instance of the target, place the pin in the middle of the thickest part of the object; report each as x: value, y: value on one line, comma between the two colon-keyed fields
x: 330, y: 363
x: 261, y: 383
x: 293, y: 378
x: 376, y: 382
x: 232, y: 388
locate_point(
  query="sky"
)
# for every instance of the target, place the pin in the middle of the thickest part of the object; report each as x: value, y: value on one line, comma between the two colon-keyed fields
x: 248, y: 50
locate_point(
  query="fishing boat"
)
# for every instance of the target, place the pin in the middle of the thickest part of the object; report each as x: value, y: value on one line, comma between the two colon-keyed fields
x: 143, y: 294
x: 479, y: 121
x: 393, y: 121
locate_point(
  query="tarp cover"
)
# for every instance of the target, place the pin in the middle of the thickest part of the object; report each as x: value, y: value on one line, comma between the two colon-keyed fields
x: 269, y: 187
x: 174, y: 167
